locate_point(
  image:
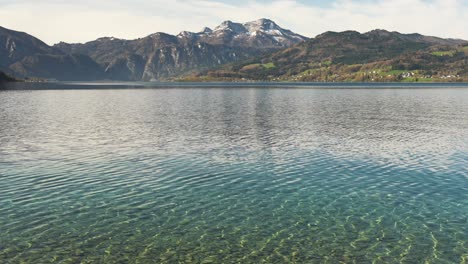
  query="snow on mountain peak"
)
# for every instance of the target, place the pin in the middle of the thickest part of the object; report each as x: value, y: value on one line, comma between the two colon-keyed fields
x: 262, y: 30
x: 262, y: 24
x: 231, y: 26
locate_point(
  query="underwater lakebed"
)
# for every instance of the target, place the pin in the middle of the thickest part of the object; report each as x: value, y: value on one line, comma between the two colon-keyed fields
x: 237, y: 175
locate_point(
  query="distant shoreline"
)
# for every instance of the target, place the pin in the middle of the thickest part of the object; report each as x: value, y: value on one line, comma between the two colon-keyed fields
x: 5, y: 78
x: 80, y: 85
x: 38, y: 80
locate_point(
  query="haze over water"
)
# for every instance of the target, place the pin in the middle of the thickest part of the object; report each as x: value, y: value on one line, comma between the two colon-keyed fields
x: 238, y: 175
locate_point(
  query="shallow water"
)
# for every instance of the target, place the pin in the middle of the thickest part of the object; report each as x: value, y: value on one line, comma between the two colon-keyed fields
x: 240, y: 175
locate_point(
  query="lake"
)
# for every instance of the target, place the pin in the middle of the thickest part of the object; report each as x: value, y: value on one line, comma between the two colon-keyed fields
x: 141, y: 173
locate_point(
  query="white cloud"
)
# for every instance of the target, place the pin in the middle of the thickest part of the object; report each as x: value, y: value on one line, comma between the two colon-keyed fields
x: 84, y: 20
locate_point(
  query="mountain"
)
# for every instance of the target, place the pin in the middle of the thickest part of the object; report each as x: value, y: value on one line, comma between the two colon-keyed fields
x: 263, y: 33
x: 257, y: 50
x: 65, y: 67
x: 6, y: 78
x: 162, y: 56
x: 155, y: 57
x: 377, y: 55
x: 27, y: 56
x: 17, y: 45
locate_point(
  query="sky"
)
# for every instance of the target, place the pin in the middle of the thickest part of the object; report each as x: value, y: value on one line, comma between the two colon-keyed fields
x: 80, y: 21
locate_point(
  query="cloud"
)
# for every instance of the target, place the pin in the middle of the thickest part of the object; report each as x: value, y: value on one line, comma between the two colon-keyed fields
x: 84, y: 20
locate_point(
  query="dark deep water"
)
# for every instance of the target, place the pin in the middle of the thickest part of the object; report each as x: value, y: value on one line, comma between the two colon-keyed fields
x: 239, y: 175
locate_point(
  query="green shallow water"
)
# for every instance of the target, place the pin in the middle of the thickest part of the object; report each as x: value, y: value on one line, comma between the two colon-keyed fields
x: 241, y: 175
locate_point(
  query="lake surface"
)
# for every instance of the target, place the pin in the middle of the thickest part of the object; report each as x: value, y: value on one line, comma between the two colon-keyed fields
x: 238, y: 175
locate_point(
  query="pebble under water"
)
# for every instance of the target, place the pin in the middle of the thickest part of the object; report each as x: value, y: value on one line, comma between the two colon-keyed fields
x: 235, y: 175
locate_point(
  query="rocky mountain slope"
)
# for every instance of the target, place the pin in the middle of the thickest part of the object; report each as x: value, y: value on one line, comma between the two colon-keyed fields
x: 26, y: 56
x: 161, y: 56
x: 158, y: 56
x: 377, y: 55
x: 257, y: 50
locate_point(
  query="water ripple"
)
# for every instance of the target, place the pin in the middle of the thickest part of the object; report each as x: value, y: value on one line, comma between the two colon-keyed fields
x: 234, y: 176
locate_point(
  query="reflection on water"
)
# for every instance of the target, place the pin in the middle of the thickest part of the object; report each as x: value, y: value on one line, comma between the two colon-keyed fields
x: 244, y: 175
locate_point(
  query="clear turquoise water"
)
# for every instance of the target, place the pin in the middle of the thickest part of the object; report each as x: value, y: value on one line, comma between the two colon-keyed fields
x: 240, y: 175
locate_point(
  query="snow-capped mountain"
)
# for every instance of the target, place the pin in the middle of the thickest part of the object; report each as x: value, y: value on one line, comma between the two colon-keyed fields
x: 154, y: 57
x: 262, y: 32
x: 161, y: 55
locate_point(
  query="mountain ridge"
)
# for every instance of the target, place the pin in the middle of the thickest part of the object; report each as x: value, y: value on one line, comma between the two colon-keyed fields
x: 234, y: 49
x: 185, y: 52
x: 377, y: 55
x: 24, y: 55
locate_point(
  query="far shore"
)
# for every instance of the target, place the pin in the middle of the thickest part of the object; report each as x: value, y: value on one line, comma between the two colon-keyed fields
x: 83, y: 85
